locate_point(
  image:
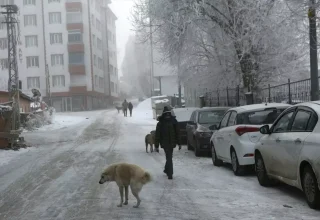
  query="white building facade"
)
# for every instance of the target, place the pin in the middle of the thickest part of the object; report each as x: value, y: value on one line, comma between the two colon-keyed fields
x: 68, y: 37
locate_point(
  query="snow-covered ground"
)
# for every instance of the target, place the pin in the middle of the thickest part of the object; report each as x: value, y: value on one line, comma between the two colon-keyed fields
x: 59, y: 178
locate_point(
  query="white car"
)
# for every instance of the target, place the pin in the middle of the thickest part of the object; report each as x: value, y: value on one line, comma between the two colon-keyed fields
x: 289, y: 151
x: 235, y: 137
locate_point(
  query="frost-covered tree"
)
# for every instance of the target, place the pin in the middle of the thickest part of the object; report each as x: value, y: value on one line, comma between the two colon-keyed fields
x: 226, y: 42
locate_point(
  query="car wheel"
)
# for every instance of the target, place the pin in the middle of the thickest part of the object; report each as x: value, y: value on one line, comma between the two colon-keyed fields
x: 189, y: 146
x: 261, y: 171
x: 216, y: 162
x: 311, y: 188
x: 196, y: 149
x: 237, y: 169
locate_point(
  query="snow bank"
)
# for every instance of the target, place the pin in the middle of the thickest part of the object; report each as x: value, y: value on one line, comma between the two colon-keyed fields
x: 7, y: 155
x: 63, y: 121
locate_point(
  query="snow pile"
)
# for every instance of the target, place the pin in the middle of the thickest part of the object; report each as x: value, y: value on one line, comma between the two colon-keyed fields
x: 4, y: 108
x: 7, y: 155
x: 63, y: 121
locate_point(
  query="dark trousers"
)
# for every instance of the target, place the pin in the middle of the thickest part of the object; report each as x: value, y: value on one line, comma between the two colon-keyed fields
x: 125, y: 112
x: 130, y: 110
x: 169, y: 165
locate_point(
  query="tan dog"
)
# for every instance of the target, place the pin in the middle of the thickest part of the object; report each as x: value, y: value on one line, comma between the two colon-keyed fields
x: 126, y: 175
x: 150, y: 140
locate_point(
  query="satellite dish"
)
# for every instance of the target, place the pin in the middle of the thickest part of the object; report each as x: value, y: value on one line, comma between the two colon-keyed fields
x: 36, y: 92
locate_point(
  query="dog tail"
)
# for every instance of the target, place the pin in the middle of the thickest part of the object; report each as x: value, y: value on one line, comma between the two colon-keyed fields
x: 146, y: 178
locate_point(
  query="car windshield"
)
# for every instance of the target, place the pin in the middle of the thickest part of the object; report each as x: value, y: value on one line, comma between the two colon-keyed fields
x: 260, y: 117
x: 210, y: 117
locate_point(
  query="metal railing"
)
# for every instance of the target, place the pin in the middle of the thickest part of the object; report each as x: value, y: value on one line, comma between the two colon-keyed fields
x: 290, y: 92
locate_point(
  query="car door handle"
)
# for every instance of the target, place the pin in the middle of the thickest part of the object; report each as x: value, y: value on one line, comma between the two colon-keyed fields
x: 278, y: 140
x: 297, y: 141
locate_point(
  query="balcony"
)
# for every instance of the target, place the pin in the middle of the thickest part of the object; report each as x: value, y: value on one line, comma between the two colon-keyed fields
x: 77, y: 69
x: 73, y: 4
x: 76, y: 48
x: 78, y: 89
x: 75, y: 26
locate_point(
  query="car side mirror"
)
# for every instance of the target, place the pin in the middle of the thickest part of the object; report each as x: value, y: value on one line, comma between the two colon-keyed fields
x: 265, y: 129
x: 213, y: 127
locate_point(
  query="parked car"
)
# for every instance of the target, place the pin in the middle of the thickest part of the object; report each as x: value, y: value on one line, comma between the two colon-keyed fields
x: 199, y: 128
x: 236, y: 135
x: 183, y: 116
x: 289, y: 151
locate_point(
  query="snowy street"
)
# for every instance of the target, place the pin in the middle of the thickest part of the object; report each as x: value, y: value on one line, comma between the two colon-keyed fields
x: 58, y: 177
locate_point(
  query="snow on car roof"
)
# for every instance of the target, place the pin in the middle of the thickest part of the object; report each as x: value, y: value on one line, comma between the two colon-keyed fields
x: 262, y: 106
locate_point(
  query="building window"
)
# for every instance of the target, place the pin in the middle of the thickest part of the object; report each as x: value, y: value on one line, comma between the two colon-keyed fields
x: 111, y: 69
x: 3, y: 43
x: 98, y: 25
x: 30, y: 20
x: 75, y: 37
x: 76, y: 58
x: 101, y: 82
x: 92, y: 19
x: 57, y: 60
x: 3, y: 26
x: 29, y: 2
x: 96, y: 80
x: 58, y: 81
x: 74, y: 15
x: 4, y: 64
x: 55, y: 18
x: 94, y: 60
x: 56, y: 38
x: 112, y: 87
x: 99, y: 44
x: 100, y: 63
x: 32, y: 61
x: 94, y: 40
x: 31, y: 41
x: 6, y: 2
x: 51, y: 1
x: 33, y: 82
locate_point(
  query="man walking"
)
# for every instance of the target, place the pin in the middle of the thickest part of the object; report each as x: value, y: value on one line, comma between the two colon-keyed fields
x: 125, y: 107
x: 167, y: 135
x: 130, y: 106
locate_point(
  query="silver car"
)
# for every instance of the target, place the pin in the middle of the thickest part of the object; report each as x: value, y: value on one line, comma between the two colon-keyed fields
x: 289, y: 151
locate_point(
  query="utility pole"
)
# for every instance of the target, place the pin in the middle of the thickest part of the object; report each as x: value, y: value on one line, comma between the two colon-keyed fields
x: 313, y: 51
x: 179, y: 81
x: 48, y: 84
x: 13, y: 83
x: 151, y: 50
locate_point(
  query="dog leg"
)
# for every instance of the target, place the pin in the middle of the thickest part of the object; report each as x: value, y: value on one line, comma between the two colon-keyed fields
x: 151, y: 146
x: 135, y: 191
x: 147, y: 148
x: 126, y: 195
x: 121, y: 195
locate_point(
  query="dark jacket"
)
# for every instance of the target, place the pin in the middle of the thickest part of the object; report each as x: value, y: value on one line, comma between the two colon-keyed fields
x: 167, y: 132
x: 125, y: 105
x: 130, y: 106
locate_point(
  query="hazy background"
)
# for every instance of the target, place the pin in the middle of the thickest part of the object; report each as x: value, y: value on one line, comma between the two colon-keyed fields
x: 122, y: 9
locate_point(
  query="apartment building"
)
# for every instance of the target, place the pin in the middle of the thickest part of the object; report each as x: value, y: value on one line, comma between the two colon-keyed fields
x: 73, y: 41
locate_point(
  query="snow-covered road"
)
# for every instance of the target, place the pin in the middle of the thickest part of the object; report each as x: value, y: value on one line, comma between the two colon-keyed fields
x: 58, y: 178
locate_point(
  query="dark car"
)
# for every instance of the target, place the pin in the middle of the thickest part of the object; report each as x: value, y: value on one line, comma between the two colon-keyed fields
x: 199, y: 128
x: 183, y: 117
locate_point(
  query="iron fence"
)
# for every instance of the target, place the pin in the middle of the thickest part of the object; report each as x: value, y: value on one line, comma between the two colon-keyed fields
x: 290, y: 92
